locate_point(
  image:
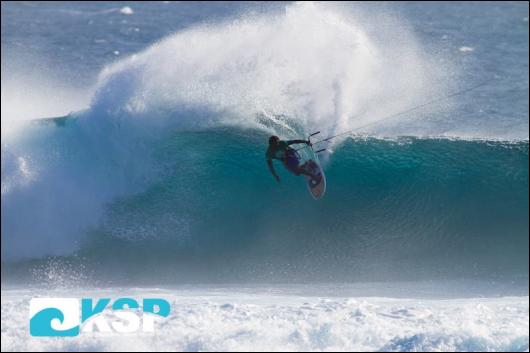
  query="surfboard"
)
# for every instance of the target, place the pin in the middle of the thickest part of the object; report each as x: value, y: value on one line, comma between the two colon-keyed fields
x: 316, y: 186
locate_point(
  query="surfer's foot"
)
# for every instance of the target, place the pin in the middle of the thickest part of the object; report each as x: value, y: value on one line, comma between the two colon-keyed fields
x: 315, y: 180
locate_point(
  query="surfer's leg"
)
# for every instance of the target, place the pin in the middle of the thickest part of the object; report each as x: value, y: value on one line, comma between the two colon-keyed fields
x: 291, y: 164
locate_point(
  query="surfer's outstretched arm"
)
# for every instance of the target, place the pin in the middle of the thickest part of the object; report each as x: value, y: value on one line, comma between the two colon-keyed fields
x: 292, y: 142
x: 273, y: 172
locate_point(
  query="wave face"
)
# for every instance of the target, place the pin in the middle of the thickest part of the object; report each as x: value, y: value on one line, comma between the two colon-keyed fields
x: 403, y: 209
x: 395, y: 209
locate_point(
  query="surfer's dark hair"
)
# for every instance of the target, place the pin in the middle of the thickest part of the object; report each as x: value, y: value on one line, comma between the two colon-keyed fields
x: 272, y: 139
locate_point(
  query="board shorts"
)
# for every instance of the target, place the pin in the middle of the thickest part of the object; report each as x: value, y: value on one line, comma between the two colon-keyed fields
x: 291, y: 162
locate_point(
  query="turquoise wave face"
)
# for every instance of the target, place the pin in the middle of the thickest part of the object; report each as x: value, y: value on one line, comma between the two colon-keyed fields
x: 405, y: 208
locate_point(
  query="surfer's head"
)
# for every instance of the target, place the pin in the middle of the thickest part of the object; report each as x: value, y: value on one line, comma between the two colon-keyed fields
x: 273, y: 141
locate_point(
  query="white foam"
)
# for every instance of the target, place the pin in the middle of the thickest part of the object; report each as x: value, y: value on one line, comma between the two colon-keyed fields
x: 126, y: 10
x: 202, y: 320
x: 465, y: 49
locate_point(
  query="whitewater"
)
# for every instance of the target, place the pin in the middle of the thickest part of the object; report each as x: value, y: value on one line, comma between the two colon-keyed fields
x: 138, y: 169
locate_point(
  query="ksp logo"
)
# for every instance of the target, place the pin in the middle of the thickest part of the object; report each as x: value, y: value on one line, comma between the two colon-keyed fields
x: 67, y: 317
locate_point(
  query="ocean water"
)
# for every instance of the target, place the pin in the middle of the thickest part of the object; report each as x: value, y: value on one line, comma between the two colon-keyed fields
x: 133, y: 141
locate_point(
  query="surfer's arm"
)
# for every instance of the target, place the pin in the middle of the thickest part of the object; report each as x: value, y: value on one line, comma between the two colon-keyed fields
x: 292, y: 142
x: 273, y: 172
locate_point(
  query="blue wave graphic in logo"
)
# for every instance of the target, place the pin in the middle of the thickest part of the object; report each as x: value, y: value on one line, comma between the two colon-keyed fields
x: 40, y: 324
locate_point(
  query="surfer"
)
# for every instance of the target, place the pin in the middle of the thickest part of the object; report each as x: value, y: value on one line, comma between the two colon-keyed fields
x: 281, y: 151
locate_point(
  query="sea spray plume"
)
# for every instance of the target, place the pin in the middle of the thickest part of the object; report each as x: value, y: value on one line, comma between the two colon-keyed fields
x: 314, y: 63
